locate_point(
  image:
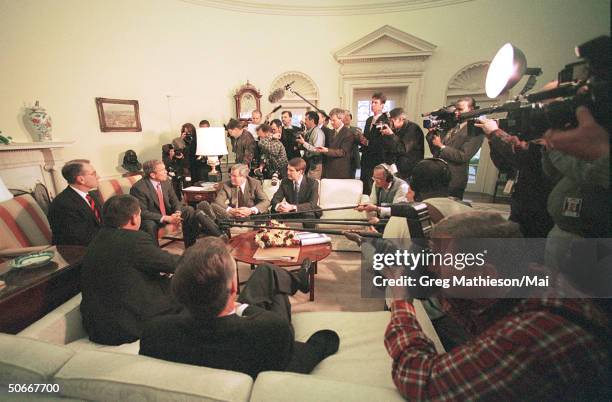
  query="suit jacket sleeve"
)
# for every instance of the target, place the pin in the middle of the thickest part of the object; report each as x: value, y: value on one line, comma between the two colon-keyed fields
x: 67, y: 224
x: 149, y: 258
x: 313, y: 200
x: 346, y: 146
x: 175, y: 204
x: 466, y: 150
x: 138, y: 191
x: 262, y: 202
x: 221, y: 197
x: 279, y: 195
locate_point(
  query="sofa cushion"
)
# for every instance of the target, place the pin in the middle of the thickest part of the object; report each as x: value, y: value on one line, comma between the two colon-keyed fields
x: 277, y: 386
x: 362, y: 357
x: 23, y: 223
x: 84, y: 344
x: 28, y: 361
x: 336, y: 193
x: 61, y: 326
x: 111, y: 187
x: 118, y: 377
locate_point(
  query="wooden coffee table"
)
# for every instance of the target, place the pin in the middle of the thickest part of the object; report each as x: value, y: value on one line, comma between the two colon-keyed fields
x: 243, y: 247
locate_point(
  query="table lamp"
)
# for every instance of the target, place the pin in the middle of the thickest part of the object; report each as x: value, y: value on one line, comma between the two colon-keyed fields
x: 211, y: 143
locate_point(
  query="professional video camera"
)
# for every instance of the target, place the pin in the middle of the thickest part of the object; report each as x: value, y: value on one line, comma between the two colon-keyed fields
x: 583, y: 83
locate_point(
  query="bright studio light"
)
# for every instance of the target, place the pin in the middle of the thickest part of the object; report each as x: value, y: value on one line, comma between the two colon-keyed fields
x: 506, y: 69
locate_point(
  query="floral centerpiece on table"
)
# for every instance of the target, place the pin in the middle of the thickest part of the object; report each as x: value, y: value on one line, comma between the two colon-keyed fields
x: 280, y: 236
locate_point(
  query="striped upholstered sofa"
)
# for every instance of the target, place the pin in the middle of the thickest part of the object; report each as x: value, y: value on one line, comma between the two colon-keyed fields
x: 24, y: 228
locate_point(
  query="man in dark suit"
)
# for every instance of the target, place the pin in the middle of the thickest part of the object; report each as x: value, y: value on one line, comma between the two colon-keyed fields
x: 338, y: 149
x: 244, y: 144
x: 410, y: 146
x: 74, y: 215
x: 375, y: 146
x: 289, y: 135
x: 239, y: 197
x: 457, y: 147
x: 249, y: 336
x: 357, y: 133
x: 161, y: 207
x: 120, y: 277
x: 297, y: 193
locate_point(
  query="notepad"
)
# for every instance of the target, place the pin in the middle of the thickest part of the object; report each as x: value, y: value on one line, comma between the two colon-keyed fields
x: 309, y: 239
x: 277, y: 254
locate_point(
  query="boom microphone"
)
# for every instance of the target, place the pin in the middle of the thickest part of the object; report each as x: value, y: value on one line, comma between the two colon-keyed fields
x: 276, y: 95
x: 289, y: 85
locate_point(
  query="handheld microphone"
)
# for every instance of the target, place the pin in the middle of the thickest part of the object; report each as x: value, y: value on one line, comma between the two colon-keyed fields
x: 276, y: 108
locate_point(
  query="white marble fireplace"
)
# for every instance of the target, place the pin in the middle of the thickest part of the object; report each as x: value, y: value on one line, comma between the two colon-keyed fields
x: 22, y: 165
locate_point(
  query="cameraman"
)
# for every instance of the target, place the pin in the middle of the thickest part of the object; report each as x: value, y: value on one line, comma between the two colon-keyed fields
x: 457, y: 147
x: 530, y: 187
x: 174, y: 165
x: 410, y: 144
x: 273, y: 153
x: 579, y: 204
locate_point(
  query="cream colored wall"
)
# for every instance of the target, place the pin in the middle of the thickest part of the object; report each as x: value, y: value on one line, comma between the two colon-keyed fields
x: 182, y: 62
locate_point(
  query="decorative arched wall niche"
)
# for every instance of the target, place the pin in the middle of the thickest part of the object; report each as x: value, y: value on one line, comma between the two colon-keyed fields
x: 300, y: 83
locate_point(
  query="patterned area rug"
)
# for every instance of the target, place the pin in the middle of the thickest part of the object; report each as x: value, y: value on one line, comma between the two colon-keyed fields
x: 503, y: 209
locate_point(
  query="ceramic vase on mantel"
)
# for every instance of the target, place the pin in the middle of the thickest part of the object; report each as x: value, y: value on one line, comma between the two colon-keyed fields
x: 41, y: 122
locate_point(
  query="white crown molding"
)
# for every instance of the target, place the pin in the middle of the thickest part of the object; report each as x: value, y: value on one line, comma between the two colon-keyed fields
x: 323, y: 7
x: 385, y: 44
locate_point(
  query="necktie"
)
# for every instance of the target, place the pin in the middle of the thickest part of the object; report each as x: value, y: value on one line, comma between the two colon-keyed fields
x: 241, y: 200
x: 296, y: 191
x: 92, y: 205
x: 160, y: 199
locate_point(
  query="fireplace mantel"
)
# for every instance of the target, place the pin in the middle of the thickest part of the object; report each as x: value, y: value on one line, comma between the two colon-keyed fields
x: 16, y: 146
x: 23, y: 164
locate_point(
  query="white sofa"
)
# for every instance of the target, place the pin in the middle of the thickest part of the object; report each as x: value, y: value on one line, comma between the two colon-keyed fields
x: 334, y: 193
x: 56, y: 350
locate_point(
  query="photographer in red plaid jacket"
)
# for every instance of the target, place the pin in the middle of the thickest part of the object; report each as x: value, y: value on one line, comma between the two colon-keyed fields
x: 519, y: 349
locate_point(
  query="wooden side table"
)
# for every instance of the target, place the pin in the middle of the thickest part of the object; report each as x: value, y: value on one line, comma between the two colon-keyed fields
x: 192, y: 195
x: 30, y: 294
x: 243, y: 247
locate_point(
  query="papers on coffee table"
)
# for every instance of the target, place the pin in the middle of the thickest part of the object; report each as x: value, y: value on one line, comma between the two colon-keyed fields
x: 308, y: 239
x: 277, y: 254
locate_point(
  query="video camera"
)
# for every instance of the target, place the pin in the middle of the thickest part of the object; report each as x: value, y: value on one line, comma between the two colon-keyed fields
x: 582, y: 83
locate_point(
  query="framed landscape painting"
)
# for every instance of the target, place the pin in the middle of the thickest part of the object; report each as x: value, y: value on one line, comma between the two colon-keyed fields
x: 118, y: 115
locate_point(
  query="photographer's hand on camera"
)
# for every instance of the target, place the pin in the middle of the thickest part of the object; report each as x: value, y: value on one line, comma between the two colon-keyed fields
x: 436, y: 141
x: 589, y: 141
x: 386, y: 130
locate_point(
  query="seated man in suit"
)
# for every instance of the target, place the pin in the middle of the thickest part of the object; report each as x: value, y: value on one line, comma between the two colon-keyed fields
x: 387, y: 190
x: 74, y: 215
x: 250, y: 336
x: 297, y: 193
x: 160, y: 206
x: 239, y: 197
x: 120, y: 276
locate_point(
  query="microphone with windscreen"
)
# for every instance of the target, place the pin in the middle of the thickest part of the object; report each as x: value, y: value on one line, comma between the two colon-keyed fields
x: 276, y: 95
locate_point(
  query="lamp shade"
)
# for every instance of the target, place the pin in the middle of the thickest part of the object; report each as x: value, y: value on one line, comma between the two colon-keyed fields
x: 5, y: 194
x: 211, y: 141
x: 506, y: 69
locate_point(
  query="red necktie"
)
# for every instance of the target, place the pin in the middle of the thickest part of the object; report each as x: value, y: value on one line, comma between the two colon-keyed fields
x: 160, y: 198
x: 92, y: 205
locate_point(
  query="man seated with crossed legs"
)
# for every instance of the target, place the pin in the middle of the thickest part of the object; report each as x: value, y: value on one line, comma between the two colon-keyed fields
x: 251, y: 335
